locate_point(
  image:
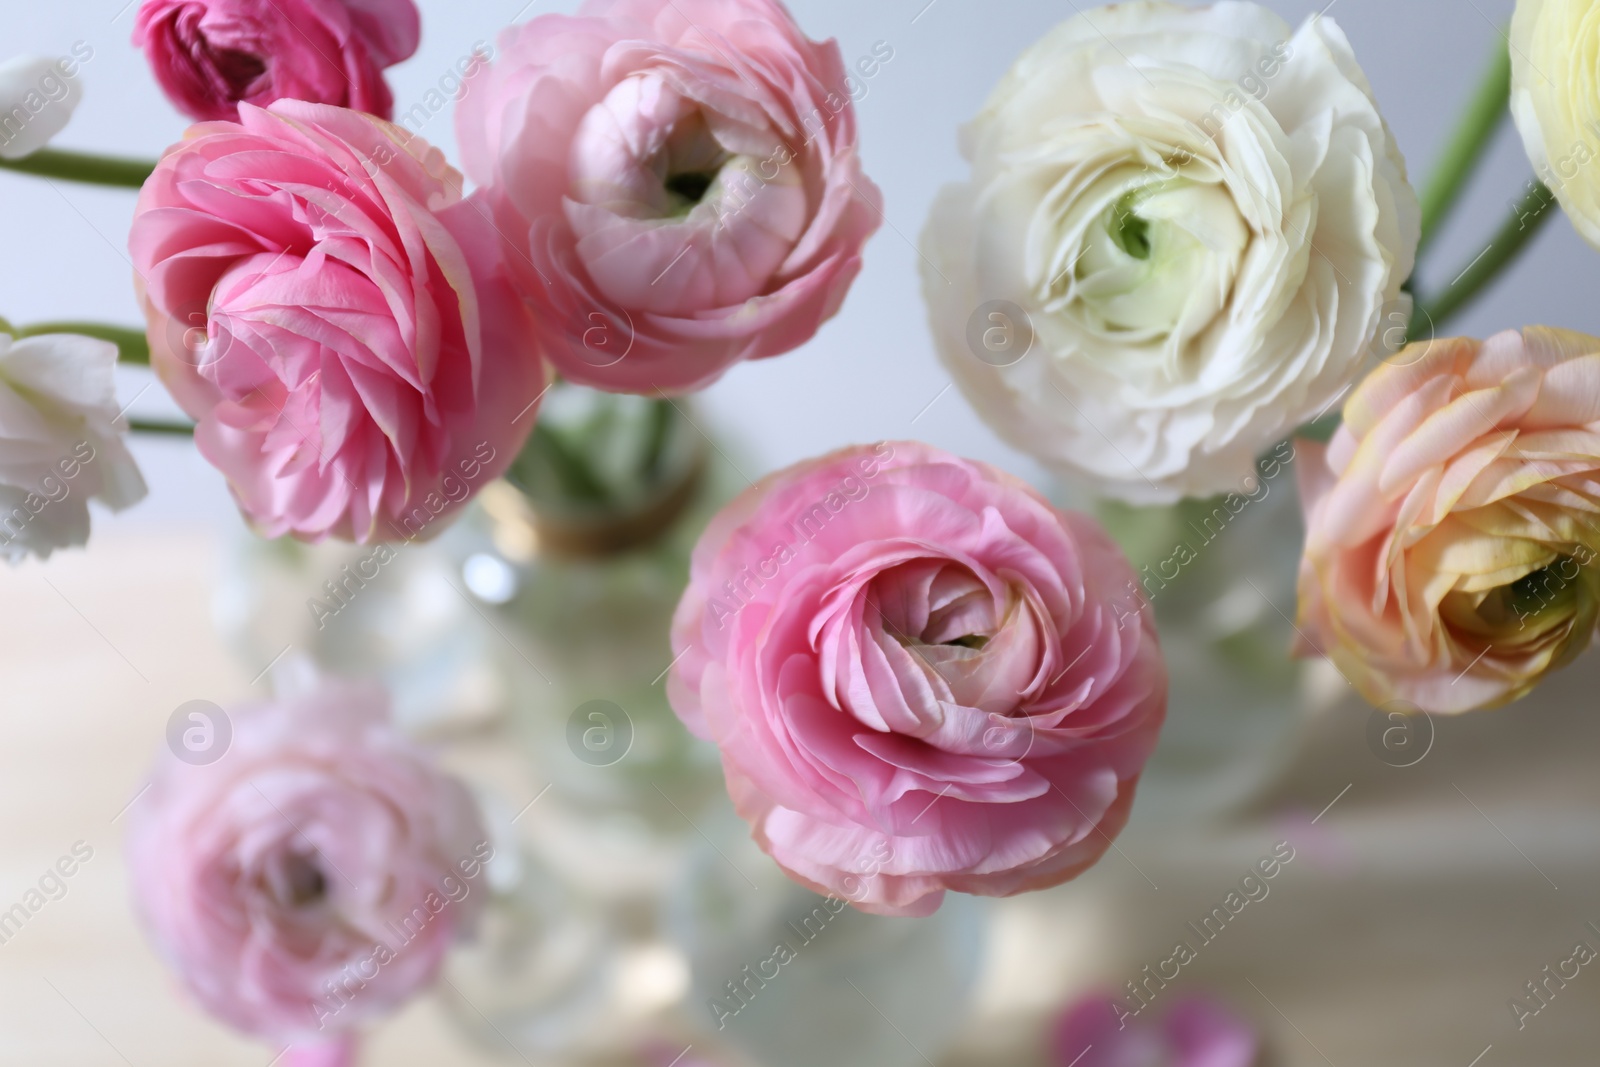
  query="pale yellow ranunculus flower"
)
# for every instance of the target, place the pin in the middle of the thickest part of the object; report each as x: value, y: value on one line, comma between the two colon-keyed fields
x: 1555, y: 98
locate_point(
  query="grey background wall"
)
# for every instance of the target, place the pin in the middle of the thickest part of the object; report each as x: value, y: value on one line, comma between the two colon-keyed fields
x: 871, y: 372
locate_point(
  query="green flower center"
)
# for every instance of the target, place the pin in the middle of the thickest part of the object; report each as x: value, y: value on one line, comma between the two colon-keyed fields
x: 977, y: 641
x: 691, y: 185
x: 1129, y: 229
x: 1550, y: 590
x: 1158, y: 261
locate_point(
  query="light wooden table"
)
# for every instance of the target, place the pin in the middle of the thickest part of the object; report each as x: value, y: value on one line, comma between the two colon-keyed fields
x: 1417, y: 906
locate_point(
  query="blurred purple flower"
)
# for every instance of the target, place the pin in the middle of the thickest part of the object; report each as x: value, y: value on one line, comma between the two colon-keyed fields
x: 1194, y: 1032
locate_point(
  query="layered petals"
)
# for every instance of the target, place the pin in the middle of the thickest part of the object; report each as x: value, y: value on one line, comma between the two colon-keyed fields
x: 1181, y: 230
x: 1452, y: 552
x: 210, y: 56
x: 1555, y: 46
x: 311, y: 878
x: 919, y: 677
x: 60, y: 446
x: 678, y: 183
x: 337, y: 319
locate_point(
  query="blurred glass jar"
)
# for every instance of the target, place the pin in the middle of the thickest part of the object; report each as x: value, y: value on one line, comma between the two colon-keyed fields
x: 582, y: 556
x: 577, y: 560
x: 793, y: 979
x: 1220, y: 575
x: 398, y: 612
x: 569, y: 964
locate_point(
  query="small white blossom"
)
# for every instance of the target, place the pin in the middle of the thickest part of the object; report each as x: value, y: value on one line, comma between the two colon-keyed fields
x: 59, y: 447
x: 36, y: 100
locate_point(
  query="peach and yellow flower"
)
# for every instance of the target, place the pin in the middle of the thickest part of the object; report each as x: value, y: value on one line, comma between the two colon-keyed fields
x: 1452, y: 553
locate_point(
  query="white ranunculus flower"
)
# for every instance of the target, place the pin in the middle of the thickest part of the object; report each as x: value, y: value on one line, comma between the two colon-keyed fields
x: 36, y: 100
x: 1181, y: 231
x: 58, y: 447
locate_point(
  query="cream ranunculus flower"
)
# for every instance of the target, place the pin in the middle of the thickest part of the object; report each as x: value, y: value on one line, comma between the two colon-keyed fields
x: 1555, y: 49
x: 1181, y: 230
x: 59, y: 446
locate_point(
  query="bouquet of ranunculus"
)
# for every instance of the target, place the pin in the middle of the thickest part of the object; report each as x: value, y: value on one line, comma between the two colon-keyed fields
x: 1188, y: 236
x: 1182, y: 262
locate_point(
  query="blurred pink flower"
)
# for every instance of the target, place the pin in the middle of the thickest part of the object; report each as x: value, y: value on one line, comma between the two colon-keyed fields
x: 340, y: 1052
x: 1194, y: 1032
x: 311, y: 878
x: 336, y: 318
x: 679, y: 183
x: 920, y: 676
x: 212, y: 55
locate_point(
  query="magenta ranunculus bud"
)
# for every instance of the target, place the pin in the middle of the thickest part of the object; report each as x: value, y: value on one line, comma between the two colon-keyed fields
x: 678, y: 181
x: 312, y: 878
x: 921, y: 676
x: 337, y: 320
x: 212, y: 55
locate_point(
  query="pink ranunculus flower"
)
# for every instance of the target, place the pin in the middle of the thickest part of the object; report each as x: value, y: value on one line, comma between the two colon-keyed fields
x: 336, y: 318
x: 920, y: 675
x: 1194, y: 1032
x: 1452, y: 553
x: 679, y: 183
x: 312, y: 878
x: 212, y: 55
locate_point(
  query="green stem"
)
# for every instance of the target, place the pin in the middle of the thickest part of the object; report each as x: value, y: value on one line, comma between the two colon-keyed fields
x: 1488, y: 108
x: 1432, y: 314
x: 134, y: 346
x: 577, y: 480
x: 83, y: 167
x: 660, y: 426
x: 1323, y: 429
x: 170, y: 429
